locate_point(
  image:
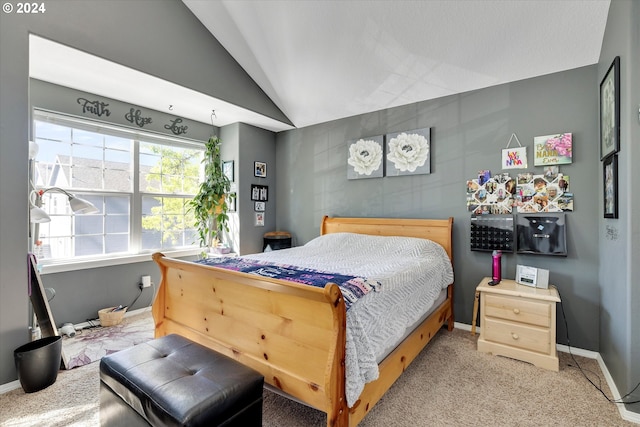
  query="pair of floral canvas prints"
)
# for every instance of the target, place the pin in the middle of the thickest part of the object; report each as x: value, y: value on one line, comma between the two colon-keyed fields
x: 405, y: 153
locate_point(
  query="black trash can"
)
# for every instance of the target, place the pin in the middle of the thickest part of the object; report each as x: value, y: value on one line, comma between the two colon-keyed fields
x: 38, y: 363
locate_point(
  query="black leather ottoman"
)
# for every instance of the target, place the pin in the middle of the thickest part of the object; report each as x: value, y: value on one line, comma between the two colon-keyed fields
x: 172, y: 381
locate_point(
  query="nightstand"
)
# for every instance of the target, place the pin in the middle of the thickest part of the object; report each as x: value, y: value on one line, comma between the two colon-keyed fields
x: 518, y: 321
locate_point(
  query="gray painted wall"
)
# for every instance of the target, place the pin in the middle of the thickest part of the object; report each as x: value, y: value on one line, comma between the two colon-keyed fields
x: 620, y: 316
x: 246, y: 144
x: 468, y: 133
x: 80, y: 294
x: 230, y: 151
x: 14, y: 134
x: 165, y: 41
x: 256, y: 145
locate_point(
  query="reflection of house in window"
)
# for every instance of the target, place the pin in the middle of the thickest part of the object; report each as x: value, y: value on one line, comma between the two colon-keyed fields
x: 92, y: 174
x: 81, y: 235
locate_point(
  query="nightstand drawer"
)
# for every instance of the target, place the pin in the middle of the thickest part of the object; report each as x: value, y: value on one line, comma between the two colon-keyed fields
x: 518, y: 310
x: 516, y: 335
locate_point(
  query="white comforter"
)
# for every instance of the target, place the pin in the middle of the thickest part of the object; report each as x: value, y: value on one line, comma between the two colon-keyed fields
x: 411, y: 271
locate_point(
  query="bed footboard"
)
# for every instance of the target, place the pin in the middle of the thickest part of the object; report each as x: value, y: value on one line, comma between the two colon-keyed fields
x: 292, y: 334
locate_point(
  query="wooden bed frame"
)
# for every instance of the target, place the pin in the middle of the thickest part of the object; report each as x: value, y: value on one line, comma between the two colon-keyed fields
x: 293, y: 334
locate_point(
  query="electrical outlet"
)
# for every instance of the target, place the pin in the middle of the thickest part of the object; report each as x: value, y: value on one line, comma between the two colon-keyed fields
x: 146, y: 281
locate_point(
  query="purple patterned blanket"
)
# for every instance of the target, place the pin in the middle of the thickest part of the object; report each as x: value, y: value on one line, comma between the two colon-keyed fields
x: 352, y: 287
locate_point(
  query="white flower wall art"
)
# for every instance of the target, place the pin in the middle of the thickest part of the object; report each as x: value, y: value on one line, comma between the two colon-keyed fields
x: 365, y: 158
x: 408, y: 153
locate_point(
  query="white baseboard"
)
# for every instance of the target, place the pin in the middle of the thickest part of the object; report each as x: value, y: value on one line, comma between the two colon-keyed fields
x: 634, y: 417
x: 624, y: 413
x: 464, y: 327
x: 6, y: 388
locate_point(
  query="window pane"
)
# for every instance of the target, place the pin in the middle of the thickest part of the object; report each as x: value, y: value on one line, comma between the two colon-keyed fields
x: 117, y: 224
x: 84, y: 176
x: 50, y: 150
x: 148, y: 203
x: 89, y: 224
x: 53, y: 131
x: 191, y: 184
x: 191, y: 237
x: 163, y: 169
x: 88, y: 245
x: 97, y: 201
x: 116, y: 243
x: 151, y: 239
x: 166, y: 216
x: 150, y: 182
x: 117, y: 143
x: 117, y: 205
x: 54, y: 248
x: 117, y: 180
x: 88, y: 138
x: 117, y: 156
x: 85, y: 153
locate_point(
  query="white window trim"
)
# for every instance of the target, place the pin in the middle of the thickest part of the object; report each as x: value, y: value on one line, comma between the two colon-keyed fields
x: 63, y: 266
x: 59, y: 266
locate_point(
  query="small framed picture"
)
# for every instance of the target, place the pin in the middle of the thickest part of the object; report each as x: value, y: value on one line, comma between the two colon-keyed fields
x: 260, y: 169
x: 259, y: 206
x: 231, y: 202
x: 610, y: 176
x: 514, y: 158
x: 610, y: 111
x: 553, y: 149
x: 259, y: 193
x: 227, y: 168
x: 259, y: 219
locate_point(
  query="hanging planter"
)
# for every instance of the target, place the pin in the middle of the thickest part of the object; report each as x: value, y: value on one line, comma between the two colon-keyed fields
x: 210, y: 205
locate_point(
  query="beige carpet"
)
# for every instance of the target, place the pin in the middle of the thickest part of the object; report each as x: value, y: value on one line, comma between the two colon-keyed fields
x: 449, y: 384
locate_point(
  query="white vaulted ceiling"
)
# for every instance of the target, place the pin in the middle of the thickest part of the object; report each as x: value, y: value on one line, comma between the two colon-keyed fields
x: 322, y: 60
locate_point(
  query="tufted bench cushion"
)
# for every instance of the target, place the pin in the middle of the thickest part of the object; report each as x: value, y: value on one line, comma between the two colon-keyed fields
x: 172, y: 381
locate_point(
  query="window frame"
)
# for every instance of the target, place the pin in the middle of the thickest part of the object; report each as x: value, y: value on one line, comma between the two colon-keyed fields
x: 135, y: 253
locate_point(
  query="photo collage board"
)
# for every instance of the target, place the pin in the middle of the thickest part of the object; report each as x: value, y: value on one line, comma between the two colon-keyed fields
x: 526, y: 193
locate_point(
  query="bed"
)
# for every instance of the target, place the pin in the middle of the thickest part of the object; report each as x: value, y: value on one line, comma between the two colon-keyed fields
x: 294, y: 334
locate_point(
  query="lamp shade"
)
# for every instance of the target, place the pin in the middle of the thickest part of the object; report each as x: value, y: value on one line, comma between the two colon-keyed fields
x: 79, y: 205
x: 33, y: 150
x: 38, y: 215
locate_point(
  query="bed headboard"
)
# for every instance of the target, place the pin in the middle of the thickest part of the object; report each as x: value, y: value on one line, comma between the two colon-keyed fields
x: 438, y: 230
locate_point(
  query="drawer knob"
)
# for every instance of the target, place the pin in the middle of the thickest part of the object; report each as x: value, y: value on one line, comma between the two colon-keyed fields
x: 516, y: 310
x: 514, y: 336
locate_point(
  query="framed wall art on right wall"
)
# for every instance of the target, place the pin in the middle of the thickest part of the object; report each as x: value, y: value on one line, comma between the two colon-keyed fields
x: 610, y: 185
x: 610, y: 111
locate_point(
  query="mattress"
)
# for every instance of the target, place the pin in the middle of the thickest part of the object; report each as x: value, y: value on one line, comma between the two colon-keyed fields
x: 412, y: 274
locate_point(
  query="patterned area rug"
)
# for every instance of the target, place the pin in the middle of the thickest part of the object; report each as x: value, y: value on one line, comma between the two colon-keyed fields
x: 90, y: 345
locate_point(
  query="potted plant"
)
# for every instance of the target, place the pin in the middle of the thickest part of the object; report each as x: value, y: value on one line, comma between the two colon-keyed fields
x: 210, y: 206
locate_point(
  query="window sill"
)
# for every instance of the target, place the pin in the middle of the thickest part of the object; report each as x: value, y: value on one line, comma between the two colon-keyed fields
x: 119, y: 260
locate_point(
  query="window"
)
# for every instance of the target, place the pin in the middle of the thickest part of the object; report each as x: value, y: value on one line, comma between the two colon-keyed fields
x: 140, y: 183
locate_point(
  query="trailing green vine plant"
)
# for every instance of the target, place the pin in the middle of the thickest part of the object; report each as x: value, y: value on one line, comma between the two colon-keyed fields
x: 209, y: 206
